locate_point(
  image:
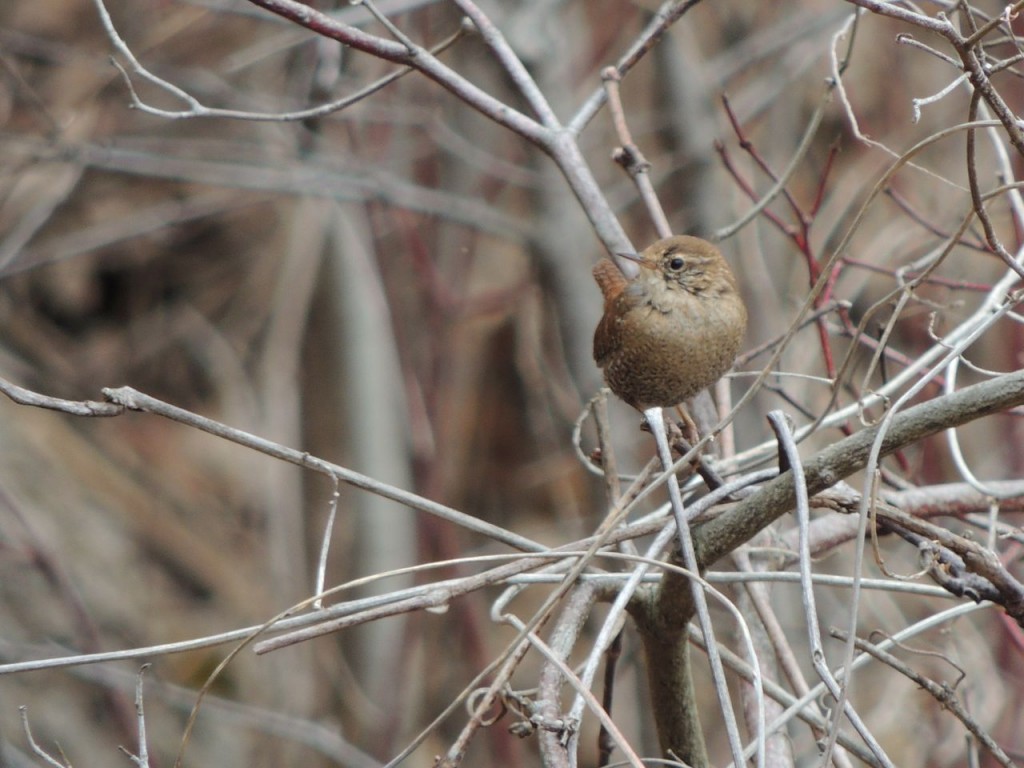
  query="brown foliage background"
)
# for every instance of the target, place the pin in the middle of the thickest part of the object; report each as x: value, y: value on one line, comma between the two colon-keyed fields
x: 403, y: 288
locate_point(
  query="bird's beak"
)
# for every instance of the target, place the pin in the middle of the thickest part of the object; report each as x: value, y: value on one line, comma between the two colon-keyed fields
x: 637, y: 258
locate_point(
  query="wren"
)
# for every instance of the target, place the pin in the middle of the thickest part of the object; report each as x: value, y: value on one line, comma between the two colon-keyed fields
x: 672, y: 330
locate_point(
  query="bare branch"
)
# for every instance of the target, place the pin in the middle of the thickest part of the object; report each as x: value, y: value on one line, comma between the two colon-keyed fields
x: 944, y: 695
x: 36, y: 749
x: 24, y: 396
x: 717, y: 537
x: 790, y: 463
x: 126, y: 397
x: 418, y: 58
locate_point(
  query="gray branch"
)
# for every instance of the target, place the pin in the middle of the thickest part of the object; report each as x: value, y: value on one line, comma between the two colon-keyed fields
x: 720, y: 536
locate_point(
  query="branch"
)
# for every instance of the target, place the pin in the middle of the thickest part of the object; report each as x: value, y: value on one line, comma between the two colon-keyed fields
x: 944, y: 694
x: 967, y: 49
x: 414, y: 56
x: 789, y: 458
x: 668, y: 14
x: 23, y: 396
x: 716, y: 538
x: 126, y: 397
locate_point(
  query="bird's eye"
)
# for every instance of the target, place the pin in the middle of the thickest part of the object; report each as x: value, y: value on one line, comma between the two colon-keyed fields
x: 676, y: 264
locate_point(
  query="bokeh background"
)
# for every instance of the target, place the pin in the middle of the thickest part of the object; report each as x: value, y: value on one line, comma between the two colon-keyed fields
x: 403, y: 288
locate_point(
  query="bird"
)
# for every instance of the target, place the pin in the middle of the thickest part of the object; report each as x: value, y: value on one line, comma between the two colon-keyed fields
x: 672, y: 330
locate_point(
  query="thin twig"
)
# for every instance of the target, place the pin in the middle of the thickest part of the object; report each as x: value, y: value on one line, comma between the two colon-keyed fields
x: 790, y: 460
x: 632, y: 160
x: 24, y: 396
x: 656, y: 420
x: 141, y: 758
x: 944, y: 695
x: 197, y: 109
x: 605, y: 743
x: 667, y: 14
x: 126, y: 397
x: 810, y: 132
x: 36, y: 749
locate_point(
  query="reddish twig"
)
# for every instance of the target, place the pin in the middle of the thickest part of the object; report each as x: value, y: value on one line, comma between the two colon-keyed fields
x: 905, y: 206
x: 798, y: 233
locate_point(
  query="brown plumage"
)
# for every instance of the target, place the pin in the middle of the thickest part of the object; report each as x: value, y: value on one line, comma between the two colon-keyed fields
x: 674, y: 329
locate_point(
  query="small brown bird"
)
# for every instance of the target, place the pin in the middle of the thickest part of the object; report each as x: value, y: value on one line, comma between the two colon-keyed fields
x: 674, y: 329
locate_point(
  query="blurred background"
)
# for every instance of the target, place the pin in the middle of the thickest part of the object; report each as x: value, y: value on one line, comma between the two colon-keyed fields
x: 402, y: 288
